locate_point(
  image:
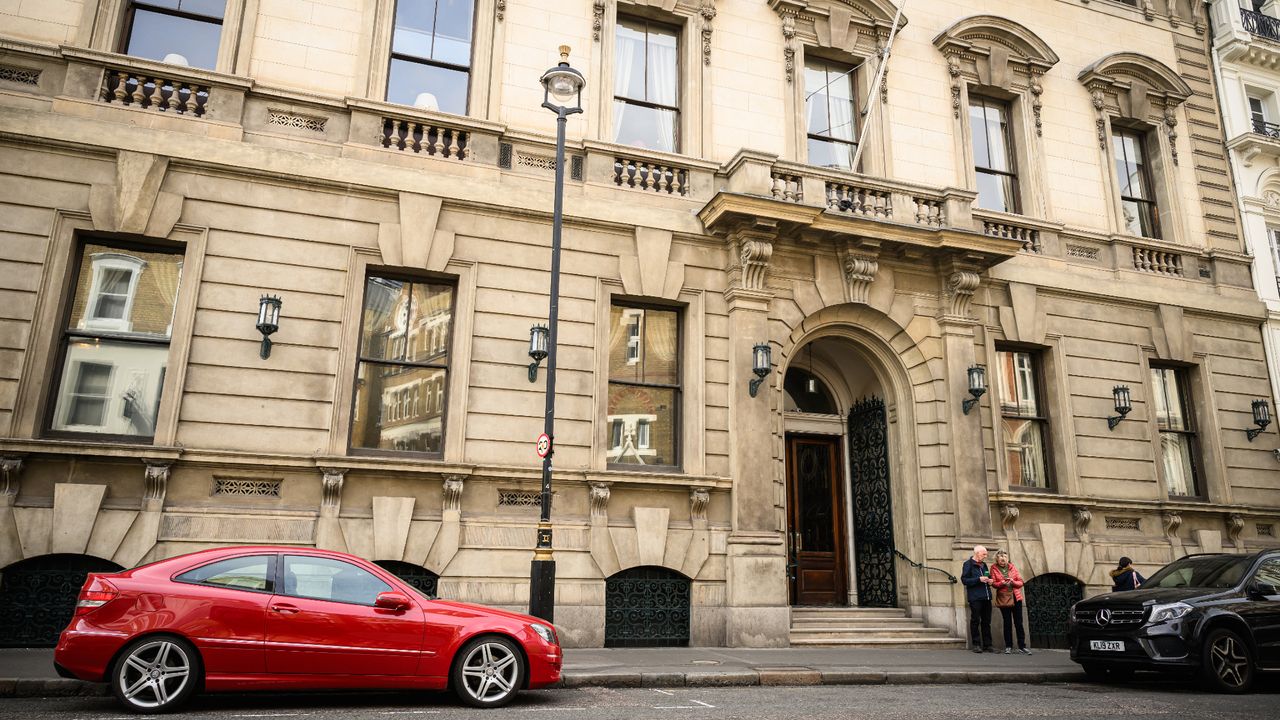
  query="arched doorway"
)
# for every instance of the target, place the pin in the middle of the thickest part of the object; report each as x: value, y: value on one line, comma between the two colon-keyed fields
x: 646, y: 606
x: 416, y: 576
x: 1049, y: 599
x: 38, y: 596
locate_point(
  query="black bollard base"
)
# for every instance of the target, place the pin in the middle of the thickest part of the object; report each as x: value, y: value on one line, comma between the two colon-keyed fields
x: 542, y: 589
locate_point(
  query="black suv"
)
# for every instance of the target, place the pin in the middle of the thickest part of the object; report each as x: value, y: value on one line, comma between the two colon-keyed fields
x: 1216, y: 614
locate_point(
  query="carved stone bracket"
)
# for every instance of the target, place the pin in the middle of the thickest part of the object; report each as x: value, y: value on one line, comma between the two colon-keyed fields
x: 789, y: 44
x: 953, y: 69
x: 708, y: 12
x: 1148, y: 10
x: 10, y: 469
x: 1171, y: 124
x: 1172, y: 521
x: 1100, y: 122
x: 1009, y: 516
x: 331, y: 488
x: 755, y: 255
x: 597, y: 21
x: 157, y: 480
x: 960, y: 288
x: 599, y: 499
x: 500, y: 9
x: 699, y: 497
x: 452, y: 492
x: 860, y: 266
x: 1235, y: 526
x: 1037, y: 89
x: 1081, y: 517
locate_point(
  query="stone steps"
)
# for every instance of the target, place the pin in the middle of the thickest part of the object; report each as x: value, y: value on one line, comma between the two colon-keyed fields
x: 865, y: 627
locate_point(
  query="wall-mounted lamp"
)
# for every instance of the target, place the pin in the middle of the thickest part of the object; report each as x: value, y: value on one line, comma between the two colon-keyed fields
x: 761, y: 364
x: 1261, y: 418
x: 268, y: 322
x: 1124, y: 404
x: 977, y: 386
x: 539, y: 340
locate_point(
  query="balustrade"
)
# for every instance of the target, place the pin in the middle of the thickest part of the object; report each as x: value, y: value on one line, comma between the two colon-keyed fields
x: 424, y: 137
x: 650, y: 176
x: 865, y: 201
x: 788, y: 187
x: 1157, y: 261
x: 1029, y: 237
x: 155, y: 93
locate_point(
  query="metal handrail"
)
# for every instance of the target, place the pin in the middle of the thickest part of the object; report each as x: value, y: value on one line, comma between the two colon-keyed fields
x: 1270, y: 129
x: 1259, y: 24
x: 922, y: 566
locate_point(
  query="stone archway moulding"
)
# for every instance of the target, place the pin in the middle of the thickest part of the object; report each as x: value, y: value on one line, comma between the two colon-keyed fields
x: 1134, y: 86
x: 854, y: 28
x: 995, y: 52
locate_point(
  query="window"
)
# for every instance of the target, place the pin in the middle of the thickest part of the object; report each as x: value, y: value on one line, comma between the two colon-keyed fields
x: 1269, y: 575
x: 115, y: 345
x: 431, y: 54
x: 395, y: 361
x: 993, y: 160
x: 182, y: 32
x: 1274, y: 236
x: 1177, y: 432
x: 1137, y: 201
x: 255, y: 572
x: 646, y: 102
x: 644, y: 393
x: 322, y: 578
x: 1023, y: 419
x: 831, y: 113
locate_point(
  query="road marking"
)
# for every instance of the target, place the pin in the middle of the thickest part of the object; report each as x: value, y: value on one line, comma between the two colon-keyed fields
x: 704, y: 704
x: 664, y: 692
x: 674, y: 707
x: 275, y: 715
x: 410, y: 712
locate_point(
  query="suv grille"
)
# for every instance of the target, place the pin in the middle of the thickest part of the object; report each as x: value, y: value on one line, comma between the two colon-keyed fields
x: 1110, y: 617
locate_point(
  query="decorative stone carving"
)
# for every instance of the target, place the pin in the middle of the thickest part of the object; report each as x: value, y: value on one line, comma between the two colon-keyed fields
x: 1134, y: 86
x: 1172, y: 521
x: 708, y: 12
x: 993, y: 51
x: 599, y: 499
x: 331, y: 488
x: 754, y: 255
x: 500, y: 9
x: 1171, y: 124
x: 452, y: 492
x: 860, y: 268
x: 698, y: 499
x: 1148, y: 10
x: 953, y: 69
x: 157, y: 479
x: 856, y: 29
x: 960, y: 288
x: 789, y: 44
x: 597, y: 21
x: 10, y: 469
x: 1009, y: 516
x: 1235, y: 526
x: 1081, y: 517
x: 1036, y: 90
x: 1271, y: 198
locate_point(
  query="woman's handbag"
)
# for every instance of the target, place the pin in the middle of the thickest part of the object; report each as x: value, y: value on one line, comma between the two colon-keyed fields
x: 1005, y: 597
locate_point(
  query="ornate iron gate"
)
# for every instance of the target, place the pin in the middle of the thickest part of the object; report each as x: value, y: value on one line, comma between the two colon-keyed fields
x: 646, y: 607
x: 38, y: 597
x: 872, y: 505
x: 417, y: 576
x: 1049, y: 599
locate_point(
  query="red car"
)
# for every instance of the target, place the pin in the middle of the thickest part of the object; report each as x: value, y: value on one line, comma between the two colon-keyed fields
x: 252, y: 618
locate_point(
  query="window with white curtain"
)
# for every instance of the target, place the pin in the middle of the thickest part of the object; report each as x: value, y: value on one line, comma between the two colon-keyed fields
x: 431, y: 54
x: 993, y: 160
x: 830, y: 113
x: 646, y: 82
x: 180, y: 32
x: 1273, y: 235
x: 1177, y: 430
x: 1023, y: 419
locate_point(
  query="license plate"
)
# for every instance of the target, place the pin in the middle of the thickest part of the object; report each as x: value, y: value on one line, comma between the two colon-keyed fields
x: 1115, y: 645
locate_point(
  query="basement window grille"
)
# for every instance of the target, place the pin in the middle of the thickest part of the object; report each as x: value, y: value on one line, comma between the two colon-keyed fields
x: 246, y: 487
x: 1122, y: 523
x: 519, y: 498
x: 1266, y: 530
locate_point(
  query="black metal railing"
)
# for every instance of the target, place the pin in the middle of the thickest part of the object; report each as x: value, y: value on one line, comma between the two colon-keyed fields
x: 1270, y: 129
x: 922, y: 566
x: 1259, y: 24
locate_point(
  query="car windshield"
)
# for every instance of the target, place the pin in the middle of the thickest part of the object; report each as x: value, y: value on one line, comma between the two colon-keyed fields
x: 1210, y: 571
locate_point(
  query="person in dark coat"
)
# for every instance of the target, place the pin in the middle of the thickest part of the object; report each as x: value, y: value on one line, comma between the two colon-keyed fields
x: 976, y: 577
x: 1125, y: 577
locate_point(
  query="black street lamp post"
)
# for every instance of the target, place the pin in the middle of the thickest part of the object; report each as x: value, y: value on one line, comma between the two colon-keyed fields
x: 563, y: 84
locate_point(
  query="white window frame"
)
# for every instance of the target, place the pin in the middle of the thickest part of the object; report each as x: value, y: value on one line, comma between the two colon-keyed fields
x: 72, y: 396
x: 101, y: 263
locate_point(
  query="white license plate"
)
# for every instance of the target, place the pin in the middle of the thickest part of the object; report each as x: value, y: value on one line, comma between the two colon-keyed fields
x: 1116, y: 645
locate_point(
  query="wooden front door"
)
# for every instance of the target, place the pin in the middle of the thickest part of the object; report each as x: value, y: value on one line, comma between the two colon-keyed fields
x: 815, y: 524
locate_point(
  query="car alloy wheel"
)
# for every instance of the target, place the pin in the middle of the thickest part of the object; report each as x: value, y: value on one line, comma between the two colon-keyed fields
x: 1227, y: 661
x: 490, y: 673
x: 155, y: 674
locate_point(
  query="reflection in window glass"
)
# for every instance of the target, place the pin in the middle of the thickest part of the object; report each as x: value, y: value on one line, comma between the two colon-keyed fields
x: 646, y: 88
x: 830, y: 112
x: 992, y: 155
x: 245, y: 573
x: 403, y: 368
x: 190, y: 30
x: 1177, y: 436
x: 328, y: 579
x: 1137, y: 202
x: 1022, y: 421
x: 431, y: 54
x: 644, y: 386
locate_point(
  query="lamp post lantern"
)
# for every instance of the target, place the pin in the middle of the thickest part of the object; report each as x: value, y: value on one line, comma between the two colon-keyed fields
x: 563, y: 96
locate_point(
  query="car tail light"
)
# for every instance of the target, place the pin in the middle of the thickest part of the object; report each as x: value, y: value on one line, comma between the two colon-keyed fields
x: 95, y: 593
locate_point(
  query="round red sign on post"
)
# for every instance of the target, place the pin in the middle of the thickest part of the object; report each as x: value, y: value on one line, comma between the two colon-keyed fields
x: 544, y: 445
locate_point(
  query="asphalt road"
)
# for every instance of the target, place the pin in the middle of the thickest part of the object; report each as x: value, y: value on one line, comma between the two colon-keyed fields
x: 1165, y: 699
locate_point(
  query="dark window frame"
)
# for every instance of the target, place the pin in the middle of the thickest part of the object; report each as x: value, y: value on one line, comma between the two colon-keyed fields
x: 1182, y: 377
x: 273, y: 579
x: 852, y: 73
x: 677, y: 411
x: 424, y: 279
x: 65, y: 334
x: 1010, y: 150
x: 133, y: 6
x: 1042, y: 419
x: 1149, y: 205
x: 677, y: 31
x: 392, y: 55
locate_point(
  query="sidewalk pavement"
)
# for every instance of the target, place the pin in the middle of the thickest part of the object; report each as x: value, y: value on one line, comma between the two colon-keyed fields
x: 30, y: 673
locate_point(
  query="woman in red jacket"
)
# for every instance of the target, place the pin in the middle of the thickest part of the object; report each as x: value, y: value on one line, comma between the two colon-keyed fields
x: 1007, y: 582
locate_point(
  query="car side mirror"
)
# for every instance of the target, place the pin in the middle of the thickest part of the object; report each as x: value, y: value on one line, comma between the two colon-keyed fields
x: 391, y: 601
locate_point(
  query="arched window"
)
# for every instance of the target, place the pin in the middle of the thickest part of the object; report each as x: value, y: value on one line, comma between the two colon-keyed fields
x: 416, y: 576
x: 807, y: 393
x: 38, y: 596
x: 646, y: 607
x: 1049, y: 599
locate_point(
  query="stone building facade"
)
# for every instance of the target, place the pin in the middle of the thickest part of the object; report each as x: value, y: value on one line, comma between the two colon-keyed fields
x: 1043, y: 192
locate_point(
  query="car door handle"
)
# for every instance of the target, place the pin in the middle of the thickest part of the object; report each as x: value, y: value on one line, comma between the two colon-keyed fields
x: 285, y: 609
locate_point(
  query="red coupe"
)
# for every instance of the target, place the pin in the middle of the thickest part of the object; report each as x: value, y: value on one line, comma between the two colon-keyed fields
x: 252, y: 618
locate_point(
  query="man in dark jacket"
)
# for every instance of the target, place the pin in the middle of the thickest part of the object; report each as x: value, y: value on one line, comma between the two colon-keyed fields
x: 976, y: 577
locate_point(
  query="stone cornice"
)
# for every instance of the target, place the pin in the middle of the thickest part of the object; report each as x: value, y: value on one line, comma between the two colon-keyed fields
x: 1120, y: 505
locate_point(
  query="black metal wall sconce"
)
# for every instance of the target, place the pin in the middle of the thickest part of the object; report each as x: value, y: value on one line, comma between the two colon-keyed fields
x: 539, y: 340
x: 977, y: 386
x: 1261, y: 418
x: 761, y: 364
x: 1124, y: 405
x: 268, y: 322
